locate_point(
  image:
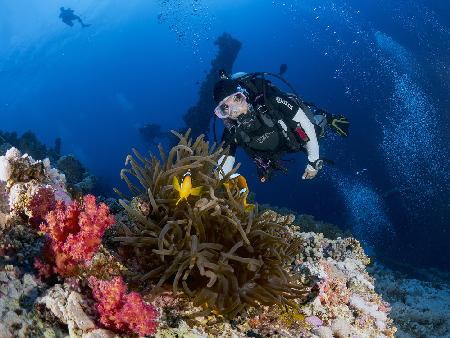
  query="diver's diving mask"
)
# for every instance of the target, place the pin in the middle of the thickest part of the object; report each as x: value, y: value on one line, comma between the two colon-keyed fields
x: 232, y: 106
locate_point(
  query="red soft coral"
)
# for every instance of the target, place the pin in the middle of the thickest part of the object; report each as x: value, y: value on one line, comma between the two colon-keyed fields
x: 121, y: 312
x: 74, y: 234
x: 42, y: 201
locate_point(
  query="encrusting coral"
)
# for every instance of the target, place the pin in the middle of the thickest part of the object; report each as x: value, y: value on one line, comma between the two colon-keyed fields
x: 209, y: 246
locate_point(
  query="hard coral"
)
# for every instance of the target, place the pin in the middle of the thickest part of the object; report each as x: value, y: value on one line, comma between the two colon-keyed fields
x: 31, y: 187
x: 74, y: 234
x: 122, y: 312
x: 16, y: 168
x: 223, y: 257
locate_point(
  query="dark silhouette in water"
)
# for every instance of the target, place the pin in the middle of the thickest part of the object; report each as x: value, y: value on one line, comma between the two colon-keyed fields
x: 152, y: 131
x: 198, y: 117
x: 68, y: 16
x: 283, y: 69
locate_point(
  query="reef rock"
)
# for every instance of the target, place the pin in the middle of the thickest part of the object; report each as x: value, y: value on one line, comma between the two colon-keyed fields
x: 17, y: 316
x: 69, y: 307
x: 78, y: 180
x: 419, y: 308
x: 345, y: 301
x: 29, y: 143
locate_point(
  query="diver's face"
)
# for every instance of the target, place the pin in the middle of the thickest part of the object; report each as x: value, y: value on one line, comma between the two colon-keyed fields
x: 232, y: 106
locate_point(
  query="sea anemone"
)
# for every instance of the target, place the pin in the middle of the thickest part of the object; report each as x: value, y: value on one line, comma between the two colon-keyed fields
x: 223, y: 256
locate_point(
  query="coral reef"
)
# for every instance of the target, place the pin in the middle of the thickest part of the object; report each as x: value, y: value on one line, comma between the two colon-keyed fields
x: 205, y: 267
x: 308, y: 224
x: 343, y: 302
x: 18, y: 293
x: 223, y: 257
x: 18, y: 245
x: 63, y: 305
x: 346, y: 300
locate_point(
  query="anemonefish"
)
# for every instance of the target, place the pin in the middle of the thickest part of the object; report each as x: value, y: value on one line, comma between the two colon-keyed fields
x: 238, y: 182
x: 185, y: 189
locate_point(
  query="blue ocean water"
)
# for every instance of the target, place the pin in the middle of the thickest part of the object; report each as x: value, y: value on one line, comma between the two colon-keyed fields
x: 385, y: 64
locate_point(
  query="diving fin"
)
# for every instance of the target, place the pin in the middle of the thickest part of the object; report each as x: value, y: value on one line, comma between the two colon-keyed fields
x: 340, y: 125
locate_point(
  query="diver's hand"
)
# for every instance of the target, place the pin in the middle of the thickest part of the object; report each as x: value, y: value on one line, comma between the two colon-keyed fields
x: 309, y: 173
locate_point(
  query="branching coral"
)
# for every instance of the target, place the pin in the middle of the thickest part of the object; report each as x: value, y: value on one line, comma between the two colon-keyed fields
x: 209, y: 246
x: 123, y: 312
x: 74, y: 235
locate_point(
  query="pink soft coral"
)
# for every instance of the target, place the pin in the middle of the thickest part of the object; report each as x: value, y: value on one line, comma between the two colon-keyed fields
x: 121, y: 312
x: 74, y: 234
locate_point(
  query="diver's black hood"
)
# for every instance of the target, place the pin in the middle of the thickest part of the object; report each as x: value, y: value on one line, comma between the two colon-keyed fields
x: 226, y: 87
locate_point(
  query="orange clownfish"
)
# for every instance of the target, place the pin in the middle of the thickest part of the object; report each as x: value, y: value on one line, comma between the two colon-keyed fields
x: 185, y: 189
x: 238, y: 182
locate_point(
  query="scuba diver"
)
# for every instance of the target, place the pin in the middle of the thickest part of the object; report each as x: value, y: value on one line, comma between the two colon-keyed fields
x: 268, y: 123
x: 67, y: 16
x: 152, y: 131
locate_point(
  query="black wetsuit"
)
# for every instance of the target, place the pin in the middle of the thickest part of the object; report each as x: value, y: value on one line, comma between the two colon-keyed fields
x: 260, y: 137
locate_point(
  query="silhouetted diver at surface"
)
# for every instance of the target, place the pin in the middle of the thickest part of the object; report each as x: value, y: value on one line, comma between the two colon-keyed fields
x: 67, y: 15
